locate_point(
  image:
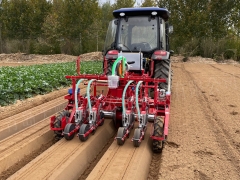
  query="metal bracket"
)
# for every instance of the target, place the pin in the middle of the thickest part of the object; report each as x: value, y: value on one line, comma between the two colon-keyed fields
x: 78, y: 116
x: 92, y: 117
x: 142, y: 121
x: 126, y: 120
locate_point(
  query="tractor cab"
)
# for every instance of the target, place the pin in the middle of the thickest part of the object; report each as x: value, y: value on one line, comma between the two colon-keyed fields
x: 138, y: 34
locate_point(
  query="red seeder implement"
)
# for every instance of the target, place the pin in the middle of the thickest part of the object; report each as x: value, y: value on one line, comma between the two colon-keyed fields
x: 133, y: 99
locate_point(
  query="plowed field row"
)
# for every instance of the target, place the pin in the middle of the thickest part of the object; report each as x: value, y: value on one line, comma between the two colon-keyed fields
x: 203, y: 141
x: 25, y: 134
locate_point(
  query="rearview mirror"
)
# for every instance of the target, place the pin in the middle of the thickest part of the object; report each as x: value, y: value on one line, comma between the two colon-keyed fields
x: 170, y: 29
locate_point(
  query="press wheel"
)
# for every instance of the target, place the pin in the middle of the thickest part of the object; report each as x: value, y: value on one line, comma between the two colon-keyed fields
x: 83, y: 129
x: 121, y: 132
x: 68, y: 128
x: 136, y: 137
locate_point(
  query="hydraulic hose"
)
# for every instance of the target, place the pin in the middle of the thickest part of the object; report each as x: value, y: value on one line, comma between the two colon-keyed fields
x: 88, y: 94
x: 137, y: 105
x: 123, y: 96
x: 76, y: 90
x: 116, y: 62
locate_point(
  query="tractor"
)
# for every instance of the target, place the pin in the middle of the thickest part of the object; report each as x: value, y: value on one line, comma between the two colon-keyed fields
x: 138, y: 73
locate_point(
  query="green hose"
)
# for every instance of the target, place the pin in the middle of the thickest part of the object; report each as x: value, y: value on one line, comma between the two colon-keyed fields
x: 88, y: 94
x: 123, y: 97
x: 138, y: 110
x: 76, y: 90
x: 116, y: 62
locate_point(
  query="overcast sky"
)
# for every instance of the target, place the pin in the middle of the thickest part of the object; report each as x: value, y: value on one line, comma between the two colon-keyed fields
x: 112, y: 1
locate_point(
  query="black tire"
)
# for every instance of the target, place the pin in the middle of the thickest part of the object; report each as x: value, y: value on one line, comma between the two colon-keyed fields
x: 161, y: 71
x: 83, y: 129
x: 136, y: 137
x: 157, y: 146
x: 109, y: 67
x: 132, y: 119
x: 68, y: 128
x: 120, y: 134
x: 58, y: 121
x: 114, y: 119
x: 101, y: 117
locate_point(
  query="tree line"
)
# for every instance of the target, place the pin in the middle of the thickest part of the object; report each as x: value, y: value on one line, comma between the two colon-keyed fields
x: 201, y: 27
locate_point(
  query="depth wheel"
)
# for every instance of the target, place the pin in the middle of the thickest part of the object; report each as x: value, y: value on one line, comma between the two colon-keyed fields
x: 101, y: 123
x: 101, y: 116
x: 157, y: 146
x: 68, y: 128
x: 136, y: 137
x: 58, y: 121
x: 120, y: 134
x: 83, y: 129
x: 132, y: 120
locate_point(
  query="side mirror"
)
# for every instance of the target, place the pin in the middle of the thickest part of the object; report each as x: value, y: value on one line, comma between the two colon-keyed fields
x: 170, y: 29
x: 171, y: 52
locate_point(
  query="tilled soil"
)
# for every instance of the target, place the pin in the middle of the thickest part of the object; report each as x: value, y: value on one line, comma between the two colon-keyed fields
x: 26, y: 160
x: 20, y: 106
x: 20, y: 59
x: 204, y: 133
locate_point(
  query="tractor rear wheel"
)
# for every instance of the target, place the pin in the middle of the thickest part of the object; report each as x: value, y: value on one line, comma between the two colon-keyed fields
x: 161, y: 71
x: 157, y: 146
x: 109, y: 67
x: 58, y: 121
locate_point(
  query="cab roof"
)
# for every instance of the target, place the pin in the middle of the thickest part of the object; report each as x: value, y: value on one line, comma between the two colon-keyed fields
x: 142, y: 11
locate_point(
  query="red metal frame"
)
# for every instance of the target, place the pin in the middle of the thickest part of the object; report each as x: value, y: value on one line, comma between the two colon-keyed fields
x: 113, y: 99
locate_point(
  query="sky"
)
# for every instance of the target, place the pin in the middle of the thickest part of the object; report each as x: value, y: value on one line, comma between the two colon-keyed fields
x: 112, y: 1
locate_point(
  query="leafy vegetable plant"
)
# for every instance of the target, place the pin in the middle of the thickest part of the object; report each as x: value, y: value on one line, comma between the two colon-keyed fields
x: 18, y: 83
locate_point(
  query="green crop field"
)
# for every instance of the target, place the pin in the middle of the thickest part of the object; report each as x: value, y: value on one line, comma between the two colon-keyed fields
x: 18, y: 83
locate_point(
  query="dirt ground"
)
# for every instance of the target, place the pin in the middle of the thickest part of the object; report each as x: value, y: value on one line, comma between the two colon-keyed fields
x: 204, y: 133
x: 20, y: 106
x: 19, y: 59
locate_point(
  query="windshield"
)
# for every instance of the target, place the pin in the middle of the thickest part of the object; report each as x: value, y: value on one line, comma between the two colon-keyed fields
x: 138, y: 34
x: 110, y: 37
